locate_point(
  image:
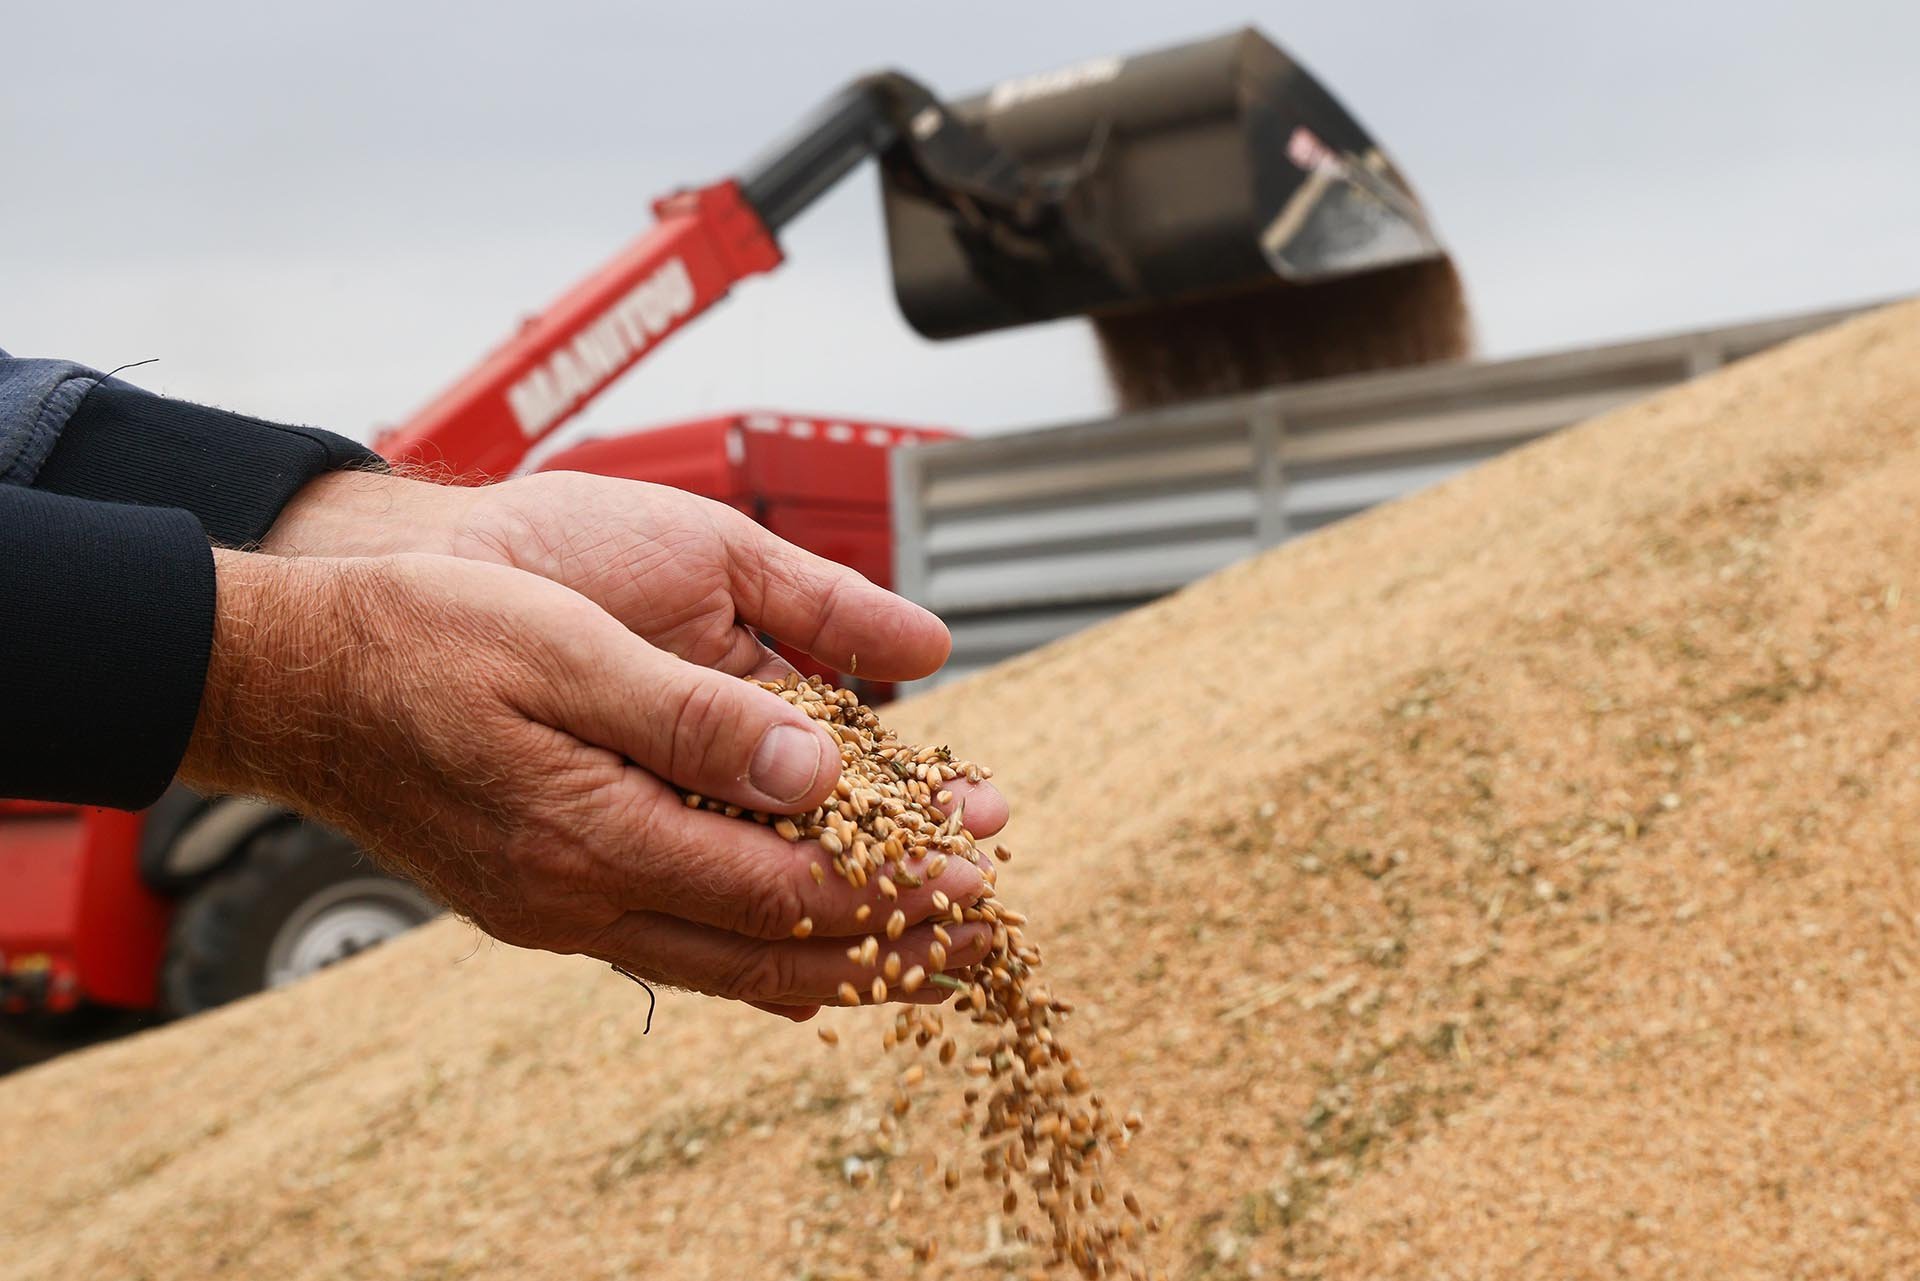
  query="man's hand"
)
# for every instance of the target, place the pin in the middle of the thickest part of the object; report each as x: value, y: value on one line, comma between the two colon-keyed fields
x: 691, y: 576
x: 510, y: 744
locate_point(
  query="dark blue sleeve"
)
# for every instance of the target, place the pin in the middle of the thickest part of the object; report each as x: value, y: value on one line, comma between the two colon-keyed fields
x: 68, y: 430
x: 235, y: 473
x: 109, y: 496
x: 106, y: 624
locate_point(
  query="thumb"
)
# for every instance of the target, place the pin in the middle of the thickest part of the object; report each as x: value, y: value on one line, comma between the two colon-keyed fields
x: 697, y: 728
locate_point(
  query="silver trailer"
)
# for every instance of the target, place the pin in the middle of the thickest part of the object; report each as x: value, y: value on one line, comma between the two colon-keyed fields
x: 1022, y: 538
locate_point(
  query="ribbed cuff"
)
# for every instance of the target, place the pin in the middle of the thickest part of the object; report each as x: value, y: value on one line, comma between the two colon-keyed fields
x: 106, y: 625
x: 235, y: 473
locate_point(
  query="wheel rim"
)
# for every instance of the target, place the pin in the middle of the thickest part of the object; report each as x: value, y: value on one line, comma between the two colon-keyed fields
x: 341, y: 921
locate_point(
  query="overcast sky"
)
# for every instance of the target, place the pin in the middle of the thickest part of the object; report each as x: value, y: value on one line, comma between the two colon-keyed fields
x: 325, y: 211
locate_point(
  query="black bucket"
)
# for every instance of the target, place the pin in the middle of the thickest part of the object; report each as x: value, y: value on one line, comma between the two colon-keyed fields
x: 1201, y: 170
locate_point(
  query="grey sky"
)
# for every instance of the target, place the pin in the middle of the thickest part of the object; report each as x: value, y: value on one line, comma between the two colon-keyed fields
x: 324, y: 212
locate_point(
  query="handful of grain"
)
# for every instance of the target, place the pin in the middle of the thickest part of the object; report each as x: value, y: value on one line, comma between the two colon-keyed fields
x: 1038, y: 1121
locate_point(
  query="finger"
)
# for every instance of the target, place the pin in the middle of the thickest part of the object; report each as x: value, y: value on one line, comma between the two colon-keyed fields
x: 746, y: 879
x: 704, y: 730
x: 789, y: 973
x: 828, y: 610
x: 984, y: 809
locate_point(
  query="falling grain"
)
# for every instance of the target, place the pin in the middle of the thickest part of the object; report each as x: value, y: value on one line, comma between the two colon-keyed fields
x: 883, y: 813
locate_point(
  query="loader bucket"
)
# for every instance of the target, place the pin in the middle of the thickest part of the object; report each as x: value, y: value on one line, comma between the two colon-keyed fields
x: 1192, y: 171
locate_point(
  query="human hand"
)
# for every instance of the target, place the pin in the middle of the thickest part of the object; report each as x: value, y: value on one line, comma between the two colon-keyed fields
x: 506, y: 742
x: 691, y: 576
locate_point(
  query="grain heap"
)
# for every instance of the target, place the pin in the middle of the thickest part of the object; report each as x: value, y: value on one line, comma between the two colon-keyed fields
x: 1517, y: 881
x: 891, y: 823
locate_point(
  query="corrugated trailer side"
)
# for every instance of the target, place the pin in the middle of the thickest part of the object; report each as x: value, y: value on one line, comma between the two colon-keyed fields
x: 1022, y: 538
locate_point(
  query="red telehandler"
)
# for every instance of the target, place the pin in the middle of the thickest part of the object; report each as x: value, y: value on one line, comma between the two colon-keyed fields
x: 1109, y: 189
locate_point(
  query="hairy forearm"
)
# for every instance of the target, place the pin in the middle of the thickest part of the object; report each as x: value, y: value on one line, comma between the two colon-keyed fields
x: 359, y: 692
x: 327, y: 691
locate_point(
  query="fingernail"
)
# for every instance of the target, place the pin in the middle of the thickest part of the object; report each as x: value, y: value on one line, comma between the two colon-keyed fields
x: 787, y: 762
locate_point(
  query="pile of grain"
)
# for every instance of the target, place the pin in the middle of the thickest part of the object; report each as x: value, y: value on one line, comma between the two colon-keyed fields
x: 1274, y: 334
x: 1518, y: 881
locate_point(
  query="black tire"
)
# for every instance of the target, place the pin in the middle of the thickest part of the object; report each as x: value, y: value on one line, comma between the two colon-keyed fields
x: 295, y: 899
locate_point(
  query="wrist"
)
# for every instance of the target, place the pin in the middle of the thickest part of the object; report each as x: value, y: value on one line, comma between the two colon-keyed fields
x: 362, y: 513
x: 267, y: 666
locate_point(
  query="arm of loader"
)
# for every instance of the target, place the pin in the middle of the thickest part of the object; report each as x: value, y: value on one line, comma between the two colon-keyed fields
x: 484, y: 424
x: 705, y: 241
